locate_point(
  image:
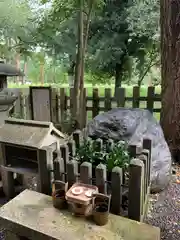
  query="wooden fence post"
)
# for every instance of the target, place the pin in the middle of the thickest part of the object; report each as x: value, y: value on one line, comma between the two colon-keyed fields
x: 22, y: 105
x: 136, y: 199
x: 83, y: 110
x: 71, y: 101
x: 77, y: 137
x: 132, y: 149
x: 116, y: 185
x: 110, y: 145
x: 86, y: 173
x: 72, y: 172
x: 95, y: 103
x: 62, y: 106
x: 8, y: 183
x: 107, y: 100
x: 120, y: 97
x: 136, y: 95
x: 101, y: 177
x: 147, y: 144
x: 54, y: 111
x: 98, y: 144
x: 65, y: 153
x: 44, y: 184
x: 150, y: 98
x: 59, y: 168
x: 58, y: 107
x: 27, y: 108
x: 143, y: 158
x: 72, y: 148
x: 145, y: 152
x: 17, y: 104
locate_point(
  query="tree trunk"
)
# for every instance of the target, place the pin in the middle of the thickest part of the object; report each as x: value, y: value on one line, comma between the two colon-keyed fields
x: 41, y: 77
x: 85, y: 40
x: 118, y: 77
x: 25, y: 69
x: 17, y: 79
x: 170, y: 58
x: 78, y: 70
x: 71, y: 74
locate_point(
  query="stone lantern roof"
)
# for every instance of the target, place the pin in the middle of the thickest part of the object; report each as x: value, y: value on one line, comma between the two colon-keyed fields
x: 9, y: 70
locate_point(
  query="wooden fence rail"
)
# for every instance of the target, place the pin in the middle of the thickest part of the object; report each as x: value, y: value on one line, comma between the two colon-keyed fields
x: 62, y: 103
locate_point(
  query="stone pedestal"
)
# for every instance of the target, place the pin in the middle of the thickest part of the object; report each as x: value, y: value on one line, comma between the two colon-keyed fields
x: 32, y: 215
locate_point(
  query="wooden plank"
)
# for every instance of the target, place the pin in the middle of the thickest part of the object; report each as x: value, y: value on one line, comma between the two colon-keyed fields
x: 150, y: 98
x: 157, y: 98
x: 44, y: 185
x: 65, y: 158
x: 147, y: 145
x: 107, y: 100
x: 56, y: 168
x: 101, y: 178
x: 136, y: 174
x: 17, y: 107
x: 132, y: 149
x: 116, y: 198
x: 121, y: 97
x: 58, y: 119
x: 62, y: 105
x: 21, y: 99
x: 27, y: 107
x: 95, y: 104
x: 72, y: 172
x: 41, y: 103
x: 53, y: 105
x: 72, y: 148
x: 83, y: 110
x: 98, y: 145
x: 8, y: 183
x: 71, y: 101
x: 86, y: 173
x: 136, y: 94
x: 77, y: 137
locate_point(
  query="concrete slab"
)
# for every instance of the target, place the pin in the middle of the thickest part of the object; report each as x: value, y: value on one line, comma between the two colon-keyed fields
x: 32, y: 215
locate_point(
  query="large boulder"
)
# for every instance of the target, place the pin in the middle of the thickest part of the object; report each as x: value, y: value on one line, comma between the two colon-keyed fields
x: 132, y: 125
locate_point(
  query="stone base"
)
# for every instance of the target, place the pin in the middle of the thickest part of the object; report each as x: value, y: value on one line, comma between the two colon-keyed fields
x: 31, y: 214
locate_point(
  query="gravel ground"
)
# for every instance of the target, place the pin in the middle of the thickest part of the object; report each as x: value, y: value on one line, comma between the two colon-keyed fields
x: 164, y: 210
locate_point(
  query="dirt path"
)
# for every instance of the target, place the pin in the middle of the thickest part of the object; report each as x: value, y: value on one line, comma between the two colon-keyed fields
x: 165, y: 210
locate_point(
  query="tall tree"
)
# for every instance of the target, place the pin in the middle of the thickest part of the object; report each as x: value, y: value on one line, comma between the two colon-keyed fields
x: 170, y: 57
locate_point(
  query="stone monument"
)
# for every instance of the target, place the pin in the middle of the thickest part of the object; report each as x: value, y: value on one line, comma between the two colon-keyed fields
x: 7, y: 98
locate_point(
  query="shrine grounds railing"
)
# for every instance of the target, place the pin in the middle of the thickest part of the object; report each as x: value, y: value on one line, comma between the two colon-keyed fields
x: 61, y: 103
x: 132, y: 192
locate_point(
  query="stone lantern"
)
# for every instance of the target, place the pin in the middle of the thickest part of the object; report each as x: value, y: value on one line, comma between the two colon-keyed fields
x: 6, y: 70
x: 7, y: 99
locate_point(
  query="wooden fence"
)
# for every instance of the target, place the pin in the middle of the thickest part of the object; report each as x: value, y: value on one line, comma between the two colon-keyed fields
x: 62, y: 103
x: 66, y: 168
x: 129, y: 188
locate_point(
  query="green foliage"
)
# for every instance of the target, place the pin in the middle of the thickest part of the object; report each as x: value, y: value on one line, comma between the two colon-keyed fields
x: 143, y: 19
x: 122, y: 33
x: 116, y: 155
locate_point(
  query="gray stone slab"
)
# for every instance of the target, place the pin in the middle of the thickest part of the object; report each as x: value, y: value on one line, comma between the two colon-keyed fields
x: 29, y: 133
x: 32, y: 215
